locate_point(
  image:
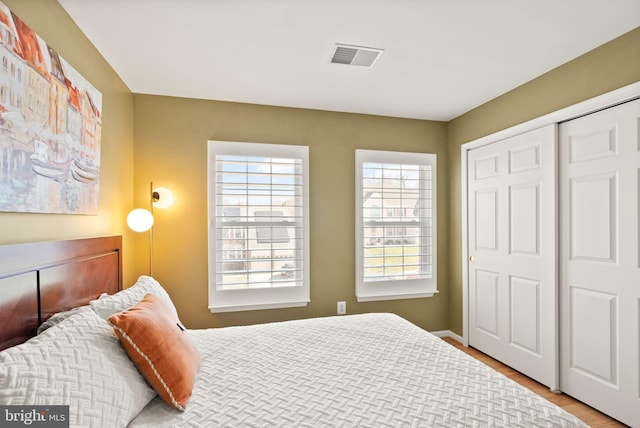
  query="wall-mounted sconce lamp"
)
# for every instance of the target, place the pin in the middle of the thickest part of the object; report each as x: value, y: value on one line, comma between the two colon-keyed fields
x: 141, y: 220
x: 161, y: 197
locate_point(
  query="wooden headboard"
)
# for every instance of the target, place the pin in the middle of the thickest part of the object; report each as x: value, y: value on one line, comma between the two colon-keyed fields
x: 41, y: 278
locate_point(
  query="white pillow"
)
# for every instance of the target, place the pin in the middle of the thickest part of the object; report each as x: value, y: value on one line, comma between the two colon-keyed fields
x: 58, y: 317
x: 78, y: 362
x: 108, y: 305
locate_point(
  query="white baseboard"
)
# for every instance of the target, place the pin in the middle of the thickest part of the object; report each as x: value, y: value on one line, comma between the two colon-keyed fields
x: 447, y: 333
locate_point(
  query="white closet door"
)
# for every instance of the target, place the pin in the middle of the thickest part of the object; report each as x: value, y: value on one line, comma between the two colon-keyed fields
x: 599, y: 261
x: 512, y: 249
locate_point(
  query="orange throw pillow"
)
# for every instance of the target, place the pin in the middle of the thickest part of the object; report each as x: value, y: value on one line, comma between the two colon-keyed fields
x: 156, y: 342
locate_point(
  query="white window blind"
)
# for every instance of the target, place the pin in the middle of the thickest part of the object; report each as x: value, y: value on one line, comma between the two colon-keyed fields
x: 395, y: 219
x: 258, y: 237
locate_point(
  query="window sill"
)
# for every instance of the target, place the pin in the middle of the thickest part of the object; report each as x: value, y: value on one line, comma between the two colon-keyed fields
x: 379, y: 297
x: 256, y: 307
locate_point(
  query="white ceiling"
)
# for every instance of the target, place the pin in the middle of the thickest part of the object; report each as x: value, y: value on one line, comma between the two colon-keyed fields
x: 441, y: 57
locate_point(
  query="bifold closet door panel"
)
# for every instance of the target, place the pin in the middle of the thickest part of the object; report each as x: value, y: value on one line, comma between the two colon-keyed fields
x: 512, y: 209
x: 599, y: 260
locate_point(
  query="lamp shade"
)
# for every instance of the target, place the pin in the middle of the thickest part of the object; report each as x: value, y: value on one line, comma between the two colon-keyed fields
x: 140, y: 220
x: 162, y: 197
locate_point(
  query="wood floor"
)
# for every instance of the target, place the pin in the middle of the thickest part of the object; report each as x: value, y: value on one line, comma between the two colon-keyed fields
x: 588, y: 414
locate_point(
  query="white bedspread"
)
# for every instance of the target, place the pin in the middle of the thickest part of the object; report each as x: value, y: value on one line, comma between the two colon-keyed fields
x: 374, y: 370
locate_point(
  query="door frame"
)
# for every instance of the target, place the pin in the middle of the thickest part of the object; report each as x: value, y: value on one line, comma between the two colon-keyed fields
x: 609, y: 99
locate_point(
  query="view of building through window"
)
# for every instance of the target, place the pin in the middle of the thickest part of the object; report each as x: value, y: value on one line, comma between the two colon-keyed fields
x: 258, y: 221
x: 396, y: 204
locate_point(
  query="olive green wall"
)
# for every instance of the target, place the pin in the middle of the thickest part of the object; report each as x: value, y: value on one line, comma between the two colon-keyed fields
x: 608, y: 67
x: 49, y: 20
x: 171, y: 137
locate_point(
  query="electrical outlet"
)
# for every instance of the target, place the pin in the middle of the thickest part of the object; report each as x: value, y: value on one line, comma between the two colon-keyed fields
x: 342, y: 308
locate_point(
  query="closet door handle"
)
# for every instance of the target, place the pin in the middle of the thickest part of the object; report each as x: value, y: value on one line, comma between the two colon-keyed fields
x: 472, y: 259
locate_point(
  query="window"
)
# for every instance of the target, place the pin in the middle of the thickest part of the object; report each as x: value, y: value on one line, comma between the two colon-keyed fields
x: 395, y: 225
x: 259, y: 226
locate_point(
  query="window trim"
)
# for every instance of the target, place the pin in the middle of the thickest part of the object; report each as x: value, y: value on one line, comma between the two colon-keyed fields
x: 393, y: 289
x: 260, y: 298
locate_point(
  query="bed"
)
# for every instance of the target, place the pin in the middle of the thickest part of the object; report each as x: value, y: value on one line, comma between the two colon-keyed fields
x: 368, y: 370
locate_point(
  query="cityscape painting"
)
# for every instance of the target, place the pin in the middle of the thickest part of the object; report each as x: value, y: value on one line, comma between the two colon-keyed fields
x: 50, y: 127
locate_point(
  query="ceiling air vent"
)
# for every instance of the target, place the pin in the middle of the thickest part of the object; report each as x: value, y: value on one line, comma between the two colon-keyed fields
x: 355, y: 55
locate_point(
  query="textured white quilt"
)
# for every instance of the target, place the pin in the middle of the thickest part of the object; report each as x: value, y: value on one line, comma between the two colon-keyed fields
x: 374, y: 370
